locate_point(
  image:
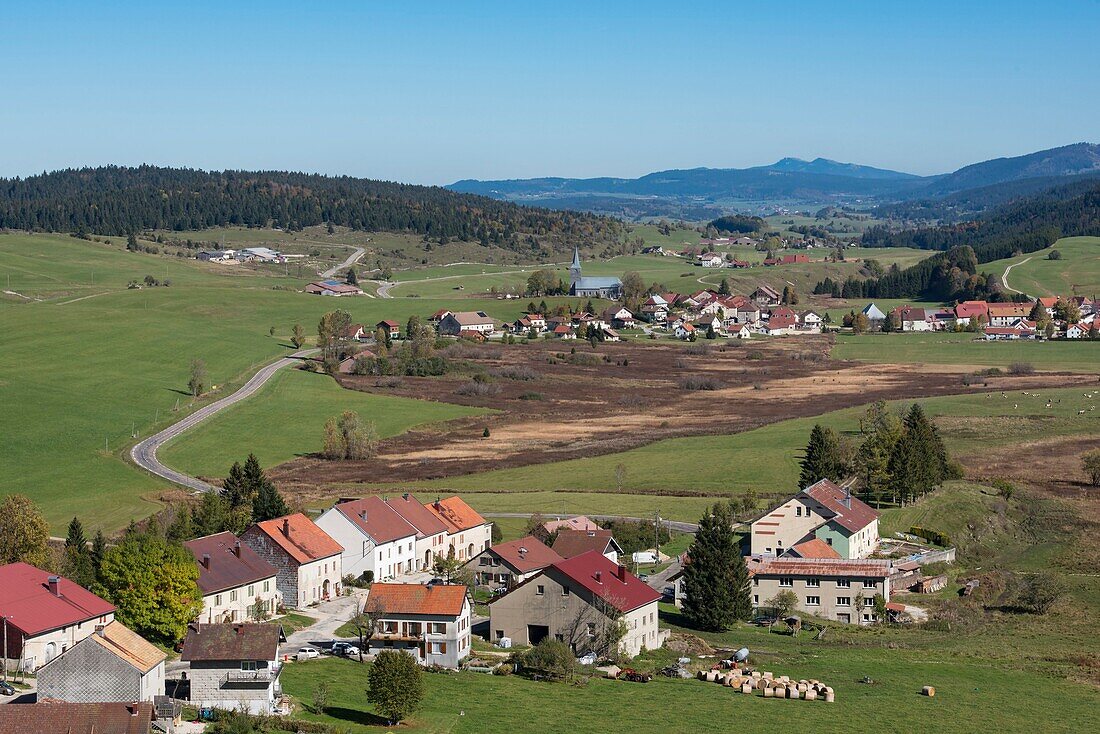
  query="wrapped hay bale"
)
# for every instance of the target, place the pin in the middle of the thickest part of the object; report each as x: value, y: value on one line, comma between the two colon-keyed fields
x: 810, y: 695
x: 756, y: 674
x: 829, y: 697
x: 768, y: 693
x: 712, y: 675
x: 701, y: 675
x: 792, y: 692
x: 928, y: 691
x: 746, y: 688
x: 767, y: 675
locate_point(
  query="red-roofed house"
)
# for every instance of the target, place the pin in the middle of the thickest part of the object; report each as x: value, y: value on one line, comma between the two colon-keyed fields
x: 45, y: 614
x: 468, y: 533
x: 504, y: 565
x: 1008, y: 314
x: 823, y: 511
x: 816, y: 548
x: 968, y: 310
x: 430, y: 621
x: 782, y: 320
x: 306, y: 558
x: 236, y: 584
x: 913, y: 319
x: 580, y: 522
x: 570, y: 543
x: 831, y: 588
x: 431, y: 531
x: 579, y: 601
x: 375, y: 538
x: 390, y: 328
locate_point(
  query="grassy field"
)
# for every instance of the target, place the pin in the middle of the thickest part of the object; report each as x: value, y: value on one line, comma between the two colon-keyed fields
x: 1076, y: 273
x: 292, y: 409
x: 965, y: 349
x: 79, y: 379
x: 765, y: 460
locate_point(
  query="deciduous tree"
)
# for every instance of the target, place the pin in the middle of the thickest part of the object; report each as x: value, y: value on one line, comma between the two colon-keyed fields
x: 396, y: 685
x: 197, y: 382
x: 24, y: 533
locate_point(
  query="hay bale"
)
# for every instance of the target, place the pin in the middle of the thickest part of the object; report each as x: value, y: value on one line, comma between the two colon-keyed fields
x: 701, y: 675
x: 735, y: 681
x: 746, y: 688
x: 803, y: 687
x: 712, y: 675
x: 779, y: 692
x: 829, y: 697
x: 768, y: 693
x: 760, y: 683
x: 792, y: 692
x: 811, y: 695
x: 767, y: 675
x: 928, y: 691
x: 756, y: 674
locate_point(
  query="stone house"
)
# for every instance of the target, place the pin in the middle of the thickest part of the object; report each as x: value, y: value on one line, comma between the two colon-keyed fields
x: 233, y: 666
x: 115, y: 664
x: 44, y: 615
x: 306, y: 558
x: 843, y: 590
x: 236, y: 584
x: 429, y: 621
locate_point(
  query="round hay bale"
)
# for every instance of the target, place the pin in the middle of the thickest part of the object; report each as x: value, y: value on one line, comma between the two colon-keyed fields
x: 712, y: 675
x: 756, y: 674
x: 701, y: 675
x: 792, y: 692
x: 746, y: 688
x: 767, y: 675
x: 779, y: 692
x: 768, y: 693
x: 829, y: 697
x: 811, y: 695
x: 803, y: 687
x: 928, y: 691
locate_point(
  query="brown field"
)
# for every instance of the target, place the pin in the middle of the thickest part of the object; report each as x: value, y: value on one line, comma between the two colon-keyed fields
x: 621, y: 396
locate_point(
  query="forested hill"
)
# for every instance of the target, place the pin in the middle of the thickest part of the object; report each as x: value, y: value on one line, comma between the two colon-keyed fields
x: 116, y: 200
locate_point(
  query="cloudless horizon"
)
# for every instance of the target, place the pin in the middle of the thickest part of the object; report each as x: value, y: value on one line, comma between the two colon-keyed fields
x: 433, y: 92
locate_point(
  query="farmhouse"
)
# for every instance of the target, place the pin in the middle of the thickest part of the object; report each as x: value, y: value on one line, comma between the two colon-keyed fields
x: 580, y: 522
x: 504, y: 565
x: 781, y: 320
x: 913, y: 319
x: 45, y: 615
x: 967, y: 311
x: 261, y: 254
x: 709, y: 260
x: 468, y: 533
x: 655, y: 309
x: 429, y: 621
x: 306, y: 558
x: 333, y: 288
x: 113, y: 665
x: 77, y: 718
x: 571, y: 543
x: 389, y: 327
x: 466, y: 322
x: 378, y: 543
x: 1021, y: 329
x: 1007, y: 314
x: 765, y: 296
x: 823, y: 511
x: 431, y: 531
x: 618, y: 317
x: 838, y: 589
x: 236, y: 584
x: 580, y: 601
x: 609, y: 288
x: 233, y: 666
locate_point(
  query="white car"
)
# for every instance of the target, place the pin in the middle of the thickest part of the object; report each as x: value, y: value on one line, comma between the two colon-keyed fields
x: 307, y: 653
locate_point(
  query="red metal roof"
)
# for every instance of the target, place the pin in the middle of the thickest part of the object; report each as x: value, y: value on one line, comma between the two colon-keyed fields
x: 435, y: 600
x: 606, y: 580
x: 26, y: 599
x: 376, y: 519
x: 850, y: 512
x: 526, y: 554
x: 59, y: 717
x: 231, y: 563
x: 300, y: 538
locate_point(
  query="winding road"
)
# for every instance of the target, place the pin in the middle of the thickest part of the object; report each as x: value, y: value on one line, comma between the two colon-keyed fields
x: 352, y: 259
x: 144, y: 453
x: 1004, y: 278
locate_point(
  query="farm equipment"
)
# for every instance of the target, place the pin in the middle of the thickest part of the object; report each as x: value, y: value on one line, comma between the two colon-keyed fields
x: 634, y: 676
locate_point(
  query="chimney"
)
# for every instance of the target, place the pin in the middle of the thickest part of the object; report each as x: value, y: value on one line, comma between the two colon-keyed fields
x: 363, y: 515
x: 55, y: 585
x: 237, y: 549
x: 522, y: 551
x: 206, y: 560
x: 599, y: 577
x: 286, y: 526
x: 622, y: 572
x: 132, y: 708
x: 848, y: 497
x: 405, y: 496
x: 99, y: 630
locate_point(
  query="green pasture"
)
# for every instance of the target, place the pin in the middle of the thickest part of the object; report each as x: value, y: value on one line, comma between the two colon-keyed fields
x: 1076, y: 273
x: 968, y: 349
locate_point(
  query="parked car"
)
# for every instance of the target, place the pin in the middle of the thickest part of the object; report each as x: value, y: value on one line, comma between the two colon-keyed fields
x: 307, y: 653
x: 345, y: 649
x: 6, y: 688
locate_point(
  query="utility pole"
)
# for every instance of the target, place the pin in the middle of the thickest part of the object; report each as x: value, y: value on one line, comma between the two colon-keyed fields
x: 6, y: 618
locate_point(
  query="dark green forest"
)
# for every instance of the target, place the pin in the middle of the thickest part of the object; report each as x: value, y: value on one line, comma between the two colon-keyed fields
x: 116, y: 200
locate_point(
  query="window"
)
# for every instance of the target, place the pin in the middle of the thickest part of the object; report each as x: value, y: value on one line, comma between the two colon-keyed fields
x: 564, y: 591
x: 798, y: 511
x: 868, y: 583
x: 438, y: 648
x: 843, y: 583
x: 540, y: 590
x: 267, y: 585
x: 868, y: 603
x: 756, y: 600
x: 485, y: 561
x: 591, y: 629
x: 786, y: 581
x: 251, y: 591
x: 829, y: 542
x: 217, y: 600
x: 233, y: 595
x: 813, y: 583
x: 755, y: 581
x: 844, y: 601
x: 388, y: 627
x: 813, y: 601
x: 248, y: 665
x: 437, y: 628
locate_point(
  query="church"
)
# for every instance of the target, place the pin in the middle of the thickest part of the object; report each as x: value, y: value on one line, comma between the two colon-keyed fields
x: 609, y: 288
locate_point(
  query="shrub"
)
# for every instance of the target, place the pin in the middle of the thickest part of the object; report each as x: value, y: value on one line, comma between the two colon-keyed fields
x: 549, y: 660
x: 1003, y: 486
x: 697, y: 349
x: 755, y: 354
x: 515, y: 373
x: 932, y: 536
x: 1021, y: 368
x: 584, y: 359
x: 532, y: 396
x: 393, y: 381
x: 475, y: 389
x: 698, y: 382
x: 1040, y: 591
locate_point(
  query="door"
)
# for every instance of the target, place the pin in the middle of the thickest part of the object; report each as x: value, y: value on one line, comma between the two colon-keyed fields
x: 845, y: 618
x: 536, y: 633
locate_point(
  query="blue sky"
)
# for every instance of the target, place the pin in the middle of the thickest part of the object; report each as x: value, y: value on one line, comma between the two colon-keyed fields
x: 434, y: 92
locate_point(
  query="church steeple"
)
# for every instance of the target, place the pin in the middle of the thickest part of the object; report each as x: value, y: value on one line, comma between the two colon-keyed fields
x: 575, y: 268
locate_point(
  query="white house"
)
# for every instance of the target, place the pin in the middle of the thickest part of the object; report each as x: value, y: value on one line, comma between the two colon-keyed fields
x: 431, y: 622
x: 375, y: 538
x: 431, y: 531
x: 822, y: 511
x: 460, y: 322
x: 236, y: 584
x: 468, y: 533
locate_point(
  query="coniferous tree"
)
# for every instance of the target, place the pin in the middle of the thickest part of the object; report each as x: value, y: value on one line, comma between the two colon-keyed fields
x: 236, y: 489
x: 77, y: 558
x: 182, y: 528
x: 269, y: 504
x: 99, y: 549
x: 724, y: 287
x: 716, y: 590
x: 822, y: 459
x: 212, y: 515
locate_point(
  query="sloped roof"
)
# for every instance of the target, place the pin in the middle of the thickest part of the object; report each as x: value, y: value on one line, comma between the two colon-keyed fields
x: 376, y: 519
x: 426, y: 522
x: 580, y: 522
x: 433, y: 600
x: 300, y: 538
x: 26, y: 600
x: 597, y: 282
x: 969, y: 309
x: 471, y: 318
x: 455, y: 513
x: 231, y: 641
x: 570, y: 543
x: 819, y: 567
x: 849, y: 512
x: 129, y: 646
x: 615, y: 585
x: 1009, y: 309
x: 59, y: 717
x: 526, y: 554
x: 232, y: 563
x: 816, y: 548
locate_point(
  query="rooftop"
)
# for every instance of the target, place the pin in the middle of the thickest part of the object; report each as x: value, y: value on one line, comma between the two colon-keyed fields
x: 570, y: 543
x: 29, y: 604
x: 300, y: 538
x: 526, y: 554
x: 227, y: 563
x: 429, y: 600
x: 850, y: 512
x: 819, y: 567
x: 237, y: 641
x: 376, y: 519
x: 455, y: 513
x: 606, y: 580
x: 426, y: 522
x: 58, y: 717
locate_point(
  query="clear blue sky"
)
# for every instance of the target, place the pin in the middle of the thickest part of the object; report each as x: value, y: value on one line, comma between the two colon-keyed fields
x: 433, y: 92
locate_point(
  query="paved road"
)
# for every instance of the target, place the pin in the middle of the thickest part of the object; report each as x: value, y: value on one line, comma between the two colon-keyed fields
x: 144, y: 453
x: 682, y: 527
x: 1004, y: 278
x: 384, y: 288
x: 352, y: 259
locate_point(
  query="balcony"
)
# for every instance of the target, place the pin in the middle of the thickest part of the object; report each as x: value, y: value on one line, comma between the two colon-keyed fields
x: 260, y: 678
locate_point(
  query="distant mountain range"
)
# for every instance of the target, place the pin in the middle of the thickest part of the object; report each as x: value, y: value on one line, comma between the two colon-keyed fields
x: 792, y: 181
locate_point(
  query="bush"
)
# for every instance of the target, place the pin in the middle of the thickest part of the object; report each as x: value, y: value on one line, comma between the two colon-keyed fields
x: 549, y: 660
x: 532, y: 396
x: 394, y: 381
x: 932, y: 536
x: 1040, y: 591
x: 698, y: 382
x: 515, y: 373
x: 1004, y: 487
x: 1021, y: 368
x: 697, y: 349
x: 755, y: 354
x: 476, y: 389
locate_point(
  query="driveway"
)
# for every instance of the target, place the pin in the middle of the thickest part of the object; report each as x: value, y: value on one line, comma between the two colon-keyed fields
x: 352, y: 259
x: 330, y: 615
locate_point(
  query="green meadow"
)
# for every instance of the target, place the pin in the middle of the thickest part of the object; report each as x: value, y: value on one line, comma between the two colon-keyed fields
x: 1076, y: 273
x: 968, y: 349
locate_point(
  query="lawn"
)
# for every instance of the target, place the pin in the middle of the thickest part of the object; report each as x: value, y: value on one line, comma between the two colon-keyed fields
x: 1076, y: 273
x: 1006, y: 700
x: 765, y: 460
x: 292, y: 622
x: 964, y: 349
x: 292, y: 409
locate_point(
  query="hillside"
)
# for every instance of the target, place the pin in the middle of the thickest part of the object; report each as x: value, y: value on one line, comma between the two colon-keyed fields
x: 833, y: 168
x: 116, y: 200
x: 1069, y: 160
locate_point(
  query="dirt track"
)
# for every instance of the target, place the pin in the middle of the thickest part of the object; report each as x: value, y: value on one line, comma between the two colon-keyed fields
x: 629, y: 397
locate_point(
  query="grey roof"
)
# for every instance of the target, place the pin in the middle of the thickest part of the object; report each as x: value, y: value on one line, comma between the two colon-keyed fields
x: 872, y: 311
x: 597, y: 282
x: 576, y: 259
